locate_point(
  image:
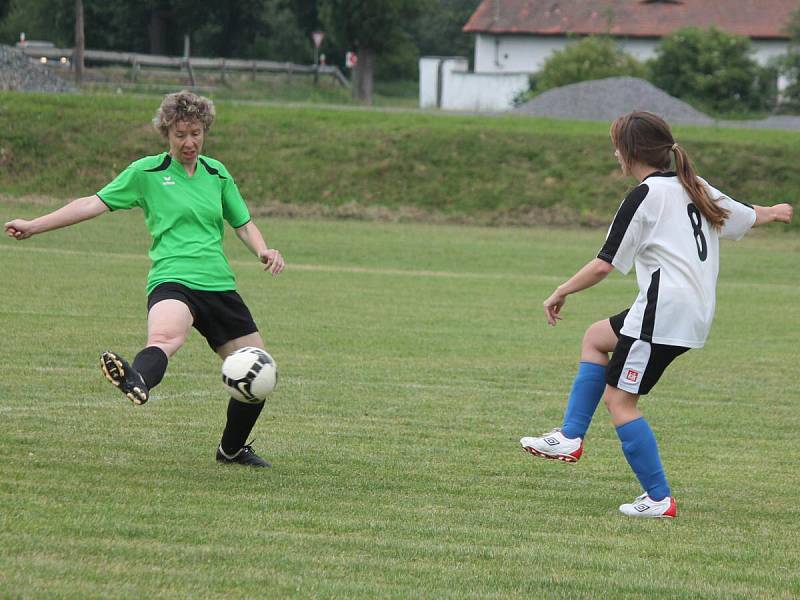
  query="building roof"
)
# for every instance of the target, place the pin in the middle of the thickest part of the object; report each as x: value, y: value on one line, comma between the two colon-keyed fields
x: 761, y: 19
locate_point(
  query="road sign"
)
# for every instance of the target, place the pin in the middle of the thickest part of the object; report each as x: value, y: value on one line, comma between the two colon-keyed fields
x: 317, y: 36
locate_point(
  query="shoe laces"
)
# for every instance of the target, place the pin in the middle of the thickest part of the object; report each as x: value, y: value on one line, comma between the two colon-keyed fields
x: 248, y: 447
x: 645, y: 498
x: 551, y: 432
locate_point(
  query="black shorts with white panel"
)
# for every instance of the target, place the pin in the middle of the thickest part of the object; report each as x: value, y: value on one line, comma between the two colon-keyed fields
x: 636, y: 365
x: 219, y: 316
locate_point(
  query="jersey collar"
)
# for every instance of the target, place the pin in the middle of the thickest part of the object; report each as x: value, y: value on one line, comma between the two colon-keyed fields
x: 175, y: 167
x: 660, y: 174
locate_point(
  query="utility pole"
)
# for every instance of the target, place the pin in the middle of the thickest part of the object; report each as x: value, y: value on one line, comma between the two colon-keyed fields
x: 187, y: 58
x: 80, y: 42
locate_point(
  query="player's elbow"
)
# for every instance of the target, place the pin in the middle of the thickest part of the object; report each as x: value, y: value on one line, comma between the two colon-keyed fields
x: 603, y: 268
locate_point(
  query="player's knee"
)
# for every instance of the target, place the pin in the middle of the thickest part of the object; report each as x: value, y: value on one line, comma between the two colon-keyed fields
x: 613, y: 405
x: 593, y: 342
x: 168, y: 342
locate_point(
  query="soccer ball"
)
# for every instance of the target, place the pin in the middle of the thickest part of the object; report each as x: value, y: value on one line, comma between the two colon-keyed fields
x: 249, y: 374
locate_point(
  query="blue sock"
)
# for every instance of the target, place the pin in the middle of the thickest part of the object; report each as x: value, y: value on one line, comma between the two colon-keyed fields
x: 587, y: 390
x: 641, y: 451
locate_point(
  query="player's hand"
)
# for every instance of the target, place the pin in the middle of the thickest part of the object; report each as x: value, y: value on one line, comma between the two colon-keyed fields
x: 273, y: 261
x: 19, y: 229
x: 552, y: 307
x: 783, y: 212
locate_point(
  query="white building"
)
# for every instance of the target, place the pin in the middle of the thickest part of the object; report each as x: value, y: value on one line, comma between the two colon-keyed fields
x: 517, y: 36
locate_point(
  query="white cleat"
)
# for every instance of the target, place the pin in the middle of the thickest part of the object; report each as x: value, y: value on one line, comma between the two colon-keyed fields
x: 644, y: 506
x: 555, y: 446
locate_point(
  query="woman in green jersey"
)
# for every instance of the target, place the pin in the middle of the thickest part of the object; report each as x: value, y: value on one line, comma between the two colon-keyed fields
x: 186, y: 199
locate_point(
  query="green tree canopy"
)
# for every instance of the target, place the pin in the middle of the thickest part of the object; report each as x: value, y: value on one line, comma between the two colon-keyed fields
x: 593, y: 57
x: 371, y: 28
x: 789, y: 68
x: 712, y: 69
x: 395, y: 31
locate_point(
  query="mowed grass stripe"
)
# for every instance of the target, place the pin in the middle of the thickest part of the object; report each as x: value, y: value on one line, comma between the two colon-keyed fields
x: 394, y: 430
x: 555, y: 279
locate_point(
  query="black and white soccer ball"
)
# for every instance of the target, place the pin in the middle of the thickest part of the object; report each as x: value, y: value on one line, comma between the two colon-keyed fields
x: 249, y: 374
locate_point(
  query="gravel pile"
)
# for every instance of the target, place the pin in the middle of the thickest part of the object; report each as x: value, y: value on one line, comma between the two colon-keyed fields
x: 607, y: 99
x: 20, y: 73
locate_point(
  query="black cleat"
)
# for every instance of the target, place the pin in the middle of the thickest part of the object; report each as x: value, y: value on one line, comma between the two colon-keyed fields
x: 246, y: 456
x: 121, y: 374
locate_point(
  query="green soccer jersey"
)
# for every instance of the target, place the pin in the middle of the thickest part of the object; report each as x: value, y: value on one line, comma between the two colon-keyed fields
x: 184, y: 216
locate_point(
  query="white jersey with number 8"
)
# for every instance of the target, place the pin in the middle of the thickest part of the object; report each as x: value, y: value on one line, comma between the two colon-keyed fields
x: 660, y: 231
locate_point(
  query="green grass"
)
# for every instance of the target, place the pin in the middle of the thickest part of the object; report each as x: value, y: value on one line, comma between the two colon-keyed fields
x: 513, y: 170
x: 412, y: 358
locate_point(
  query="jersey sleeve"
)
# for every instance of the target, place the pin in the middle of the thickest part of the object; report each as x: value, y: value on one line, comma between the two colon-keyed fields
x: 234, y: 209
x: 627, y: 231
x: 741, y: 216
x: 123, y: 192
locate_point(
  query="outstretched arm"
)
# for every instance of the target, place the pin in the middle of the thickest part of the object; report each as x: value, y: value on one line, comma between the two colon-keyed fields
x: 252, y: 238
x: 74, y: 212
x: 768, y: 214
x: 590, y: 274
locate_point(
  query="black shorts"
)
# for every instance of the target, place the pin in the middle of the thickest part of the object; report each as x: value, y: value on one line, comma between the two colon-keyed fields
x: 636, y: 365
x: 219, y: 316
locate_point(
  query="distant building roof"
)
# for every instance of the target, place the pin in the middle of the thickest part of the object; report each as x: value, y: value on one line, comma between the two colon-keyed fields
x: 761, y: 19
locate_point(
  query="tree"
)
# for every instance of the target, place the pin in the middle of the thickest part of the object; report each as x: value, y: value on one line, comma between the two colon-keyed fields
x: 80, y: 44
x: 52, y: 20
x: 371, y: 28
x: 712, y: 69
x: 278, y: 35
x: 593, y: 57
x: 789, y: 68
x: 437, y: 29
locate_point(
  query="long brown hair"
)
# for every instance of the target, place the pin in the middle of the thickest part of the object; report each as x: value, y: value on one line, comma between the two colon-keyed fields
x: 647, y: 139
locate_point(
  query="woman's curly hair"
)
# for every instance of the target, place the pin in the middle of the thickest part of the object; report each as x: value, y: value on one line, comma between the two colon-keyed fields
x: 183, y: 106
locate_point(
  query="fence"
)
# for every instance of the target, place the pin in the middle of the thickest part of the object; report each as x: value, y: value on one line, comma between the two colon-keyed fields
x: 223, y: 65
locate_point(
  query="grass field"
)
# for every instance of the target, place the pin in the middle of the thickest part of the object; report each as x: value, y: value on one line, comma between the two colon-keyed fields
x: 315, y: 160
x: 412, y: 358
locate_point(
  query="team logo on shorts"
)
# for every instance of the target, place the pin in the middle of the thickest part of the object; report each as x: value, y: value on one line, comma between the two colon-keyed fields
x: 632, y: 375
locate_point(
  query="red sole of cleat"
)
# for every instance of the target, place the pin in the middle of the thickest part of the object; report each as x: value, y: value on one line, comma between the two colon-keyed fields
x: 562, y: 457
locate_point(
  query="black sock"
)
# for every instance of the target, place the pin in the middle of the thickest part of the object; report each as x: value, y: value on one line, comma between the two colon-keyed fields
x: 242, y: 416
x: 151, y: 364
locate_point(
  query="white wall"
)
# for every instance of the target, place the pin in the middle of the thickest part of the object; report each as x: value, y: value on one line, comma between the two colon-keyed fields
x: 528, y: 53
x: 768, y: 49
x: 446, y: 83
x: 503, y: 62
x: 429, y: 81
x: 483, y: 91
x: 640, y: 49
x: 513, y: 53
x: 763, y: 50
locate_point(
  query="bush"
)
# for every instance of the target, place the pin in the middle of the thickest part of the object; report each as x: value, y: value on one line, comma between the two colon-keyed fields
x: 593, y: 57
x: 789, y: 68
x: 714, y: 70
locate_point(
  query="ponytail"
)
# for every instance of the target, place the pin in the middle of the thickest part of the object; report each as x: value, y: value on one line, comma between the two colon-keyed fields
x: 646, y: 138
x: 713, y: 213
